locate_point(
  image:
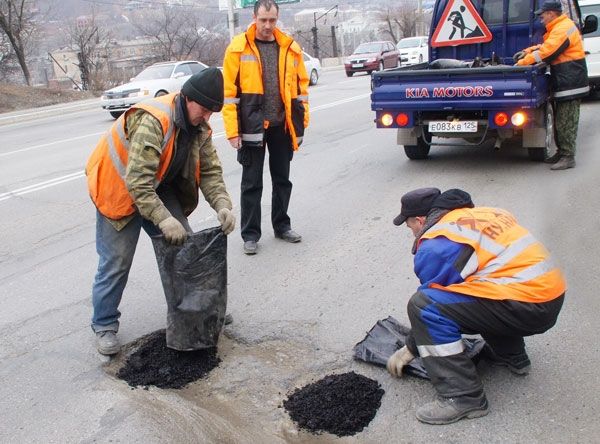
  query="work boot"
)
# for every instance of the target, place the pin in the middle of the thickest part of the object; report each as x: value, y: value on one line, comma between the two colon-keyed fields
x: 553, y: 158
x: 228, y: 319
x: 250, y: 247
x: 449, y: 410
x: 107, y: 342
x: 289, y: 236
x: 518, y: 364
x: 564, y: 163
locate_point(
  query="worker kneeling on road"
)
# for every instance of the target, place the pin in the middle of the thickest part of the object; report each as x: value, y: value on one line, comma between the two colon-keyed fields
x: 480, y: 273
x: 145, y: 173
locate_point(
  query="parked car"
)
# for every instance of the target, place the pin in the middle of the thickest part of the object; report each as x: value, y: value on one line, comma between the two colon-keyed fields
x: 372, y: 56
x: 313, y: 68
x: 591, y: 43
x: 413, y: 50
x: 156, y: 80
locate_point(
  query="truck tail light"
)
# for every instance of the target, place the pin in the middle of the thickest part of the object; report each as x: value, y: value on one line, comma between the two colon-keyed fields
x: 402, y: 119
x: 518, y: 118
x: 501, y: 119
x: 387, y: 119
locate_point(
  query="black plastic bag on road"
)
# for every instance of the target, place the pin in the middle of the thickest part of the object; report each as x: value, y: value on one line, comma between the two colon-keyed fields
x: 388, y: 335
x: 194, y: 278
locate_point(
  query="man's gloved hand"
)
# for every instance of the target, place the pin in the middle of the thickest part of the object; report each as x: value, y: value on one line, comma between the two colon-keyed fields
x: 226, y: 219
x: 173, y: 231
x: 398, y: 360
x: 519, y: 55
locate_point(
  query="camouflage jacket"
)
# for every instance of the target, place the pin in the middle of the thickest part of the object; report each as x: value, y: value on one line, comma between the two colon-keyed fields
x: 145, y: 141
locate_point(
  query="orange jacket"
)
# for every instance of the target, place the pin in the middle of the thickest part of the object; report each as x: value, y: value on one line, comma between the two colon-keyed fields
x: 106, y: 166
x: 510, y: 262
x: 242, y: 71
x: 563, y: 50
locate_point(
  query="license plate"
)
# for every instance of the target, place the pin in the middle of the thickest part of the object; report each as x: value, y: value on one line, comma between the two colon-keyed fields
x: 465, y: 126
x: 357, y: 65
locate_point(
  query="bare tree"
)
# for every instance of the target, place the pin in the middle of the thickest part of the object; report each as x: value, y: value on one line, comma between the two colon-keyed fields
x: 16, y: 22
x: 90, y: 42
x: 400, y: 20
x: 173, y: 29
x: 182, y: 33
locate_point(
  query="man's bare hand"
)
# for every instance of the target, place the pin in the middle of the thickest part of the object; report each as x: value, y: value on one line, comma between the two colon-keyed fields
x: 236, y: 142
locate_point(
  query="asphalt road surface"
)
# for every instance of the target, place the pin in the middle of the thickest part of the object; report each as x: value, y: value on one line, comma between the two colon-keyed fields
x: 298, y: 309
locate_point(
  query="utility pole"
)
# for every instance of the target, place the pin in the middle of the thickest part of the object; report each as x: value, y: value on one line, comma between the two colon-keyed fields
x: 315, y: 30
x: 230, y: 18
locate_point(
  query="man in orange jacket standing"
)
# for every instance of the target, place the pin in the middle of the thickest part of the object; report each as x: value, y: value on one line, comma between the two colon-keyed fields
x: 145, y: 173
x: 481, y: 273
x: 563, y: 50
x: 266, y: 105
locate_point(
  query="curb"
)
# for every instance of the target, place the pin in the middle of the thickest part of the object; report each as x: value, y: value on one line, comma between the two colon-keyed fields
x: 24, y: 115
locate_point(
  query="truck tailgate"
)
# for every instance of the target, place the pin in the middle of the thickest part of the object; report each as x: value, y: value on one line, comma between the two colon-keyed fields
x: 493, y: 87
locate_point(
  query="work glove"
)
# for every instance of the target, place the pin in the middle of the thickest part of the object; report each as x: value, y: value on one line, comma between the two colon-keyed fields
x: 519, y: 55
x: 173, y: 231
x: 398, y: 360
x: 226, y: 219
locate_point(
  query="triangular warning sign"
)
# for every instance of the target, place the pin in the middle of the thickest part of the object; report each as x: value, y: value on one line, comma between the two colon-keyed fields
x: 460, y: 25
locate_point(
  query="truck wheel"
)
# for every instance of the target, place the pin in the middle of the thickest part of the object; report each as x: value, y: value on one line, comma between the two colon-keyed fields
x: 539, y: 154
x: 419, y: 151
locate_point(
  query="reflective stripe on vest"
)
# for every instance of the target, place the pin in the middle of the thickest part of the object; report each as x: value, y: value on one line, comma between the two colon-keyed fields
x: 107, y: 166
x: 507, y: 263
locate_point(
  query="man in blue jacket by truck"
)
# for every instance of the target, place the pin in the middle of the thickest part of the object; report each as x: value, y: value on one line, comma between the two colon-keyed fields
x: 563, y: 50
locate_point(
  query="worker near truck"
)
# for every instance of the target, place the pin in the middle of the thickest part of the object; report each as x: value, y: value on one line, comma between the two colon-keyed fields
x: 145, y: 173
x: 481, y: 273
x: 562, y: 48
x: 266, y: 107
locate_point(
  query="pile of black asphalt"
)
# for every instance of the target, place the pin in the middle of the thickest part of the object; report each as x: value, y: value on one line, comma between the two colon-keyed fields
x: 342, y: 404
x: 154, y: 364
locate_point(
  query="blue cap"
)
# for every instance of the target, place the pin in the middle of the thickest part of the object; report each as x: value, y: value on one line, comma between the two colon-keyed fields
x: 549, y: 5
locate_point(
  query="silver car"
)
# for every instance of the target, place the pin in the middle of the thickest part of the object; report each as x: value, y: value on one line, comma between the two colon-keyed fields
x: 156, y: 80
x: 313, y: 68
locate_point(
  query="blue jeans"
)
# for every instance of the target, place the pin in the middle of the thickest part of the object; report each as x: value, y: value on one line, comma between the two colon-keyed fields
x: 115, y: 250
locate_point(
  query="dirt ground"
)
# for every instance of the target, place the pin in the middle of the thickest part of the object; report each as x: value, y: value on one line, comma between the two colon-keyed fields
x: 16, y: 97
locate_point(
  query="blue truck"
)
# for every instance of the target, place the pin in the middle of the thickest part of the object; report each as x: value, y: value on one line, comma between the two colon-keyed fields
x: 470, y: 90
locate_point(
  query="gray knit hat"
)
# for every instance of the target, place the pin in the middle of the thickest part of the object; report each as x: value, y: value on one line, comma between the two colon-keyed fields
x: 206, y: 88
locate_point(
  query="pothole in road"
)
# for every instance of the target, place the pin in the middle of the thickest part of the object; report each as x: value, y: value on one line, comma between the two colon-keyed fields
x: 151, y: 362
x: 241, y: 398
x: 342, y: 404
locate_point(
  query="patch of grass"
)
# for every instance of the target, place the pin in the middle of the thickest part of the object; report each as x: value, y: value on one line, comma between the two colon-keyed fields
x: 16, y: 97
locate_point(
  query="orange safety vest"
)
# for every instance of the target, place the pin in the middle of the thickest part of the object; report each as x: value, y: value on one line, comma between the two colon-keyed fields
x: 106, y: 167
x: 508, y: 262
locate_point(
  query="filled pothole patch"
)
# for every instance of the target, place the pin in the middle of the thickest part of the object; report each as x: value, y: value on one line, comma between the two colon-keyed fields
x: 153, y: 363
x: 342, y: 404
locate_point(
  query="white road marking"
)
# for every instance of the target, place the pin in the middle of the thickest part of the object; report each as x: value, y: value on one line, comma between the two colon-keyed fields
x: 80, y: 174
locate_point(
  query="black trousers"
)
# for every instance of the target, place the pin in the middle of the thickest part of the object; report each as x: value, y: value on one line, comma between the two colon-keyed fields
x: 439, y: 318
x: 252, y: 159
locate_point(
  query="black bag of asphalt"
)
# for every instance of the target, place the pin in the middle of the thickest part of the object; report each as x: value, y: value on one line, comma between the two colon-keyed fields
x: 153, y: 363
x: 388, y: 335
x: 342, y: 404
x: 194, y: 278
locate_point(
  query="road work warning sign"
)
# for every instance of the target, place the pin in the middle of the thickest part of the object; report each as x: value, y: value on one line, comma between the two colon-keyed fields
x: 460, y: 25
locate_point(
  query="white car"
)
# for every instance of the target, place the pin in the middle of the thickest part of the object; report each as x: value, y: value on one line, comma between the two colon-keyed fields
x: 591, y: 43
x: 413, y: 50
x: 156, y: 80
x: 313, y: 68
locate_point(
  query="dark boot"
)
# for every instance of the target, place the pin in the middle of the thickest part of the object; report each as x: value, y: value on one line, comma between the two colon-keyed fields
x: 553, y: 158
x: 518, y: 364
x: 449, y: 410
x: 564, y: 163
